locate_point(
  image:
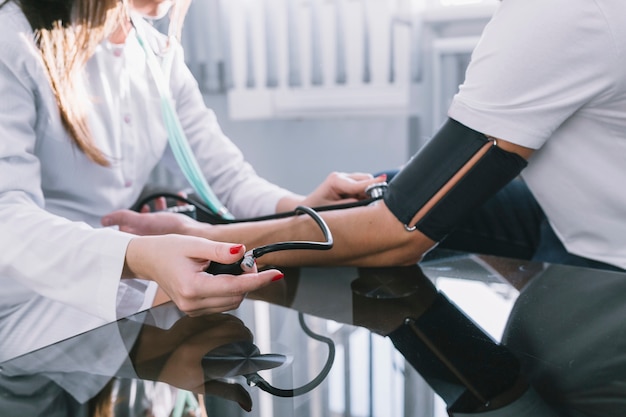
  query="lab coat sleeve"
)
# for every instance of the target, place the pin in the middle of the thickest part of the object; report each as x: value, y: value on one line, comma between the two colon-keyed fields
x: 42, y: 253
x: 231, y: 177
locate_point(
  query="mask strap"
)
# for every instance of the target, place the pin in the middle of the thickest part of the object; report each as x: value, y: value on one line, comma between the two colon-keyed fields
x: 175, y: 134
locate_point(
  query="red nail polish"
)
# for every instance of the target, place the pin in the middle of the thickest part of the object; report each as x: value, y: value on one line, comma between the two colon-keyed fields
x: 235, y: 249
x: 279, y: 276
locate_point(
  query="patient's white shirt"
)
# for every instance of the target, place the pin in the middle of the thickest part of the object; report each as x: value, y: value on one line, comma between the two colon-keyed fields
x: 550, y: 75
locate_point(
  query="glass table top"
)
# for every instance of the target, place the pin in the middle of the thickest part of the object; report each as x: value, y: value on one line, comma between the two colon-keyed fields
x: 459, y: 334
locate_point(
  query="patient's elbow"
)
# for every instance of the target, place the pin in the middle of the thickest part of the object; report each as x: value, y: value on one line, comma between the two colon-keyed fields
x: 411, y: 249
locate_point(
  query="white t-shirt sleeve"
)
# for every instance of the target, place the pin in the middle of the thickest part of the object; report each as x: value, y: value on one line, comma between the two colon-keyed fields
x: 536, y: 64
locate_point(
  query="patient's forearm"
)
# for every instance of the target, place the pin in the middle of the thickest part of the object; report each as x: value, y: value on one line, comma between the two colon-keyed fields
x: 363, y: 236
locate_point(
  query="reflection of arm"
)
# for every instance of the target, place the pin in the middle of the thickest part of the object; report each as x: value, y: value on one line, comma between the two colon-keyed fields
x: 461, y: 363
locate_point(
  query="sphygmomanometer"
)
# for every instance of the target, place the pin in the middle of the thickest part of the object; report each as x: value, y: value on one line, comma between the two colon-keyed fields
x: 455, y: 172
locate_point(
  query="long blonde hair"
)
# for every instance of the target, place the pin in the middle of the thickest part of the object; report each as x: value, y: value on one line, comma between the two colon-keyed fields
x: 67, y: 33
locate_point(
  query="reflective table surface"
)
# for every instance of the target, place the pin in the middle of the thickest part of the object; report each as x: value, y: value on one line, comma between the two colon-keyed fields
x: 459, y: 334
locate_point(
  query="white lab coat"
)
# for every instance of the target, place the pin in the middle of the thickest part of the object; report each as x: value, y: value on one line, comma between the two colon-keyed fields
x: 52, y: 196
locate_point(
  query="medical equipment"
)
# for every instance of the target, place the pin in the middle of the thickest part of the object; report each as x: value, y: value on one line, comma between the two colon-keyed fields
x: 195, y: 208
x: 175, y: 133
x: 200, y: 212
x: 463, y: 168
x: 204, y: 214
x: 249, y: 258
x: 238, y: 358
x: 244, y: 358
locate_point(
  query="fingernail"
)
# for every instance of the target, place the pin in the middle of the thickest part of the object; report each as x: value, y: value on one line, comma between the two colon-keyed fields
x: 382, y: 176
x: 278, y: 276
x: 235, y: 249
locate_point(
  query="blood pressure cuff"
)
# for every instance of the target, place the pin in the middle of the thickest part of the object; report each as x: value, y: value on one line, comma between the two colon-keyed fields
x: 457, y: 171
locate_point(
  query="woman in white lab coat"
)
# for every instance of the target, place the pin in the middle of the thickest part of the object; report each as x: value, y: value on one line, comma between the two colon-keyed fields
x: 81, y: 129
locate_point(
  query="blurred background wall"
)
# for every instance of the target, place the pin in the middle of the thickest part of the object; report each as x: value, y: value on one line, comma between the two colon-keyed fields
x: 305, y: 87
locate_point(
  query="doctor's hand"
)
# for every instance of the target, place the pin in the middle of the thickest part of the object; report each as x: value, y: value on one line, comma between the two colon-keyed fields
x: 178, y: 263
x: 174, y: 355
x: 149, y: 223
x: 337, y: 188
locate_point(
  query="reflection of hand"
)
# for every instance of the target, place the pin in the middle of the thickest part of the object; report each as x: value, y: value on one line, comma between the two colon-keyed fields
x: 229, y: 391
x: 341, y: 188
x: 156, y: 223
x: 178, y: 263
x: 174, y: 355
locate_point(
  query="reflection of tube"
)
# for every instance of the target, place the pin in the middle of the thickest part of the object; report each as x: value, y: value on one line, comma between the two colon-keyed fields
x: 256, y: 380
x: 244, y: 358
x: 460, y: 362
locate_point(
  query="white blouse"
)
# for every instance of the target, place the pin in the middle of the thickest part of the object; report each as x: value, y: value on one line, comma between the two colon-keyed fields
x: 549, y: 75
